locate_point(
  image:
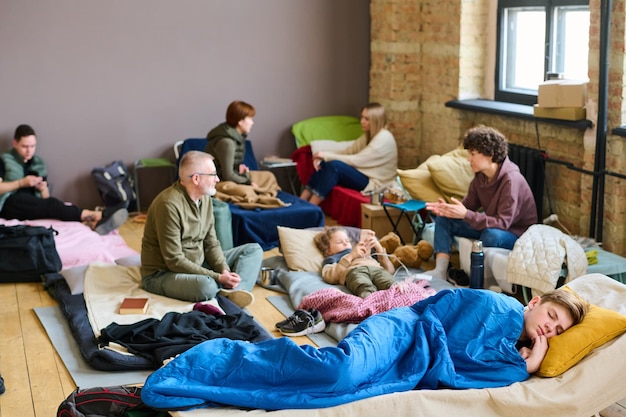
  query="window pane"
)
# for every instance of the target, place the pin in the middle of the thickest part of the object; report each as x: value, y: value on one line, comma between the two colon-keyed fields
x: 571, y: 47
x: 524, y: 52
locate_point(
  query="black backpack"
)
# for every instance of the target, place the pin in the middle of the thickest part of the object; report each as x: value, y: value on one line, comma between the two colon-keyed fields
x: 115, y: 185
x: 27, y: 253
x: 115, y: 401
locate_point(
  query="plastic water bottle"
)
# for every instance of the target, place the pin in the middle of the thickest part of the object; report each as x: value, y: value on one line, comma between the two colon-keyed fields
x: 477, y: 269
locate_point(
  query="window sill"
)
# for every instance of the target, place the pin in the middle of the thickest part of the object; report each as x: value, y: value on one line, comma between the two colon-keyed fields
x: 518, y: 111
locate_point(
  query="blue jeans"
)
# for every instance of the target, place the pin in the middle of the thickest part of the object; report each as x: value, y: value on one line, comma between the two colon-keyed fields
x: 446, y: 229
x: 245, y: 260
x: 333, y: 173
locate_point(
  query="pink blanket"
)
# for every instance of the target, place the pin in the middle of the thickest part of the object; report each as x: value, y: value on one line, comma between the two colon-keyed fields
x: 77, y: 244
x: 339, y: 307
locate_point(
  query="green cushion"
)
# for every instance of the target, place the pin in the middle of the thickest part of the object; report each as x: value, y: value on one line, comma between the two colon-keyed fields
x: 337, y: 128
x: 155, y: 162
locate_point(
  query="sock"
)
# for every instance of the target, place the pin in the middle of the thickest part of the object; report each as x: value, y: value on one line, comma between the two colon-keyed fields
x: 441, y: 268
x: 208, y: 309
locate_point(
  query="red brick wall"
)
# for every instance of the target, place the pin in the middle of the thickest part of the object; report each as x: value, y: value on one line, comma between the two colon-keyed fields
x: 424, y: 53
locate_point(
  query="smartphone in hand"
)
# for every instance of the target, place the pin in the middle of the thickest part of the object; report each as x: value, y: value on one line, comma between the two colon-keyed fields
x: 365, y: 236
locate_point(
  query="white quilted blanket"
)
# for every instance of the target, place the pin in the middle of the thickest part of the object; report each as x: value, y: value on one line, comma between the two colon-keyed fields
x: 539, y: 255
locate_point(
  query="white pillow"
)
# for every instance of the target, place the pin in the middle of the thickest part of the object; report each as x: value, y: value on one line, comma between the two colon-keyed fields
x: 330, y: 145
x: 75, y: 278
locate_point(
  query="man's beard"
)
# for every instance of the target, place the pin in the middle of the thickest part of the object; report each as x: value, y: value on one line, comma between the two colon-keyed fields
x: 212, y: 191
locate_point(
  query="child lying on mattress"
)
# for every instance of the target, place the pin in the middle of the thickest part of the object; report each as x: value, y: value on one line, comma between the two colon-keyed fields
x: 354, y: 267
x: 460, y: 338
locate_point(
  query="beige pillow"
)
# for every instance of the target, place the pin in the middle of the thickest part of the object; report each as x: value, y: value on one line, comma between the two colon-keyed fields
x: 451, y: 173
x: 419, y: 183
x: 299, y: 250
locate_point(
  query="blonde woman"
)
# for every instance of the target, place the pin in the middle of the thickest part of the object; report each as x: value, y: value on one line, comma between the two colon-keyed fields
x: 369, y: 163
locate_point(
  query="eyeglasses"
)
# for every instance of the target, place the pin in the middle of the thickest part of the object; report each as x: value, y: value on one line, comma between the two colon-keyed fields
x: 213, y: 174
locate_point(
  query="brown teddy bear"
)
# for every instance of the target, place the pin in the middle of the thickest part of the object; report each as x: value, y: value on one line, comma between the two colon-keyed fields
x: 412, y: 256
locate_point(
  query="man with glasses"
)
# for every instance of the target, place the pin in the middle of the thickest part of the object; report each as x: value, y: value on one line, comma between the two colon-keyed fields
x: 181, y: 256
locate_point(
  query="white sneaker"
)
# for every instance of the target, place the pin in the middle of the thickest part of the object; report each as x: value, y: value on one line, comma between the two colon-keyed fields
x: 242, y: 298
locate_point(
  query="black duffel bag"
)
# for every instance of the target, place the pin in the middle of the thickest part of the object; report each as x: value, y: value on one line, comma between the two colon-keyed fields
x: 27, y: 252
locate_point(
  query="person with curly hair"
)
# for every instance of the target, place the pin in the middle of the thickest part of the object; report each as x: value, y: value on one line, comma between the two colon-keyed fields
x: 499, y: 205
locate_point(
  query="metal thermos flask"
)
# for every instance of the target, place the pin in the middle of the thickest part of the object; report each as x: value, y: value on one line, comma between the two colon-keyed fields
x: 477, y: 269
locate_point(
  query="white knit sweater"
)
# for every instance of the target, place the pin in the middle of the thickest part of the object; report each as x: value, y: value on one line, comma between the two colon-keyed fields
x: 378, y: 159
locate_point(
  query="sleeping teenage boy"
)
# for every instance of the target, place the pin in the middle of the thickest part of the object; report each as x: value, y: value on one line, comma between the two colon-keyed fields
x: 462, y: 338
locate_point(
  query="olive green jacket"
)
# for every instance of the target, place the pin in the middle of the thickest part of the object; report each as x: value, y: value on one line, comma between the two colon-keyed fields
x: 179, y: 236
x: 228, y: 147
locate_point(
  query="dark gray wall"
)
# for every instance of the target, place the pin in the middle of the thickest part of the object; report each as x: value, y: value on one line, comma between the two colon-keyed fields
x: 124, y: 79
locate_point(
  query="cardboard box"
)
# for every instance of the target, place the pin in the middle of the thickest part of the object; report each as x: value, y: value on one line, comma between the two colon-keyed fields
x: 562, y: 93
x: 373, y: 217
x: 561, y: 113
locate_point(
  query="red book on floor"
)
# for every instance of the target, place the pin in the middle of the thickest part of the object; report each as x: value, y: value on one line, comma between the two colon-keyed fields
x: 134, y: 305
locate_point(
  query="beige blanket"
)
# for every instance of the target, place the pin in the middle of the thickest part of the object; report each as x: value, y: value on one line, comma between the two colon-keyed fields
x: 260, y: 195
x: 590, y: 386
x: 106, y: 285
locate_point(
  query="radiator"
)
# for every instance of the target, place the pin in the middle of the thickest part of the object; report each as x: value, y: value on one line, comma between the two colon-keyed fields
x: 532, y: 165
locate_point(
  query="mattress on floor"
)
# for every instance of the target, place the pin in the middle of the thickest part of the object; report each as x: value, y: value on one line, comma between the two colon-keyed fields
x: 75, y: 311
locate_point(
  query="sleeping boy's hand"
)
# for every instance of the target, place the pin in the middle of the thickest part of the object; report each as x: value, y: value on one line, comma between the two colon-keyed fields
x: 535, y: 354
x: 524, y: 352
x: 540, y: 345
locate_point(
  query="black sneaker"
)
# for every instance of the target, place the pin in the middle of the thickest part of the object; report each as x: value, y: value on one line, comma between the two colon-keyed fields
x: 303, y: 322
x: 301, y: 313
x: 112, y: 218
x: 458, y: 277
x: 1, y: 385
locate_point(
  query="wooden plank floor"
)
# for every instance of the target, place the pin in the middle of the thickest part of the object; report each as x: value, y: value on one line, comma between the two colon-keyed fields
x: 35, y: 378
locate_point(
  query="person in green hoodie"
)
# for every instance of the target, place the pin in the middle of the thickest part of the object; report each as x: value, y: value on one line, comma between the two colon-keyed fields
x: 24, y: 192
x: 227, y: 143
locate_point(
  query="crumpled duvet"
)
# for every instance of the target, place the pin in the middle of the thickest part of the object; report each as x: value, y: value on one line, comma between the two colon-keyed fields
x: 457, y: 338
x: 537, y: 258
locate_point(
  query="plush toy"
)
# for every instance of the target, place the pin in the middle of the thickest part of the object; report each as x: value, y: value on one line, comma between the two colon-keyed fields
x: 412, y: 256
x: 390, y: 242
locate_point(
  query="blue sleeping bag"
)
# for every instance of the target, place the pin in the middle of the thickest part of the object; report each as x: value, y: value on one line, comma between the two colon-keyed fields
x: 456, y: 339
